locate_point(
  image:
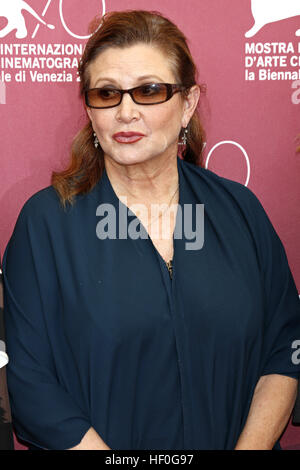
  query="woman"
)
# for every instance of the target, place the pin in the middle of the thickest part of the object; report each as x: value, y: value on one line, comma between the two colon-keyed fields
x: 112, y: 345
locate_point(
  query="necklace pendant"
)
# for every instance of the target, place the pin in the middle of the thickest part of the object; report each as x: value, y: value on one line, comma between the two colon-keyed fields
x: 170, y: 268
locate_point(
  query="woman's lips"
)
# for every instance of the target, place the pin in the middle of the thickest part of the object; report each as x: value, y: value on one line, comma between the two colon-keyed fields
x: 128, y: 137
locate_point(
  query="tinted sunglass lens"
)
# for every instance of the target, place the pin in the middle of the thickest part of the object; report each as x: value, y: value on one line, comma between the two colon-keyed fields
x: 101, y: 97
x: 152, y: 93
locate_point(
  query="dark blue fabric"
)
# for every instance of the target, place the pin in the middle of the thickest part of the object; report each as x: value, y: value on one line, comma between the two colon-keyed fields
x: 99, y: 335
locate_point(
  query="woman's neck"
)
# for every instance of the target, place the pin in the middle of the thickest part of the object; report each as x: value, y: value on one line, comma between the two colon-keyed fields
x: 152, y: 182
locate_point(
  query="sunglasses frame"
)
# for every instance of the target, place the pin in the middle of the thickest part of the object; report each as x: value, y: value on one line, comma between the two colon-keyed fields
x: 171, y: 90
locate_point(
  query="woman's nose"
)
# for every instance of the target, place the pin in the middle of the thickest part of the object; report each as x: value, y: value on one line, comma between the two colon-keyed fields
x: 127, y: 109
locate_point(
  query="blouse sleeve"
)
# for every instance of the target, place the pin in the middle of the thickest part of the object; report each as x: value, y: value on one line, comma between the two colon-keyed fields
x: 281, y: 345
x: 43, y: 412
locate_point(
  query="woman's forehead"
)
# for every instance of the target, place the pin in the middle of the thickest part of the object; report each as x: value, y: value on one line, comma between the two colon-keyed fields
x: 140, y: 61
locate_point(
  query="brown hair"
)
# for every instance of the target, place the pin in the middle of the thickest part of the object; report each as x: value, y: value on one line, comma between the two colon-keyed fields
x: 124, y: 29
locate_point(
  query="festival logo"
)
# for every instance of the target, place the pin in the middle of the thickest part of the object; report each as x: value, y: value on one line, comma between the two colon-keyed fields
x: 274, y: 60
x: 13, y: 11
x: 269, y: 11
x: 51, y: 61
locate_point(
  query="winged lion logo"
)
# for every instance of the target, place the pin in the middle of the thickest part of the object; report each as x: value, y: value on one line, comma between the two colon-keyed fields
x: 12, y: 10
x: 269, y: 11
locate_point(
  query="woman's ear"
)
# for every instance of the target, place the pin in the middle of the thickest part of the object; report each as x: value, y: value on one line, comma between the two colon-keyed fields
x: 190, y: 104
x: 88, y: 110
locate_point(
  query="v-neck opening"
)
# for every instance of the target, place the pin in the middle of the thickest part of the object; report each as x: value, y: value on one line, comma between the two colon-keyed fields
x: 129, y: 212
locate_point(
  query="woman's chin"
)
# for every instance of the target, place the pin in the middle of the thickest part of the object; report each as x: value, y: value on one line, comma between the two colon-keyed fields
x: 127, y: 158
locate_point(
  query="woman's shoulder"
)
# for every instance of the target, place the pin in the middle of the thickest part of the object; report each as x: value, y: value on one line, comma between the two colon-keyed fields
x: 235, y: 205
x: 215, y: 184
x: 44, y: 199
x: 42, y: 206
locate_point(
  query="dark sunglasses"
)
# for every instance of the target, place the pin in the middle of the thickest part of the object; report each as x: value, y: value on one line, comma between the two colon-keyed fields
x: 152, y: 93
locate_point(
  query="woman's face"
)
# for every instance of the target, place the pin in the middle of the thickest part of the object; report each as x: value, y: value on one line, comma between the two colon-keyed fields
x: 160, y: 124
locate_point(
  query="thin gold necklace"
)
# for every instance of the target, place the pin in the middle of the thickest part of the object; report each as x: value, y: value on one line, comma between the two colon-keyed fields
x: 160, y: 215
x: 168, y: 263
